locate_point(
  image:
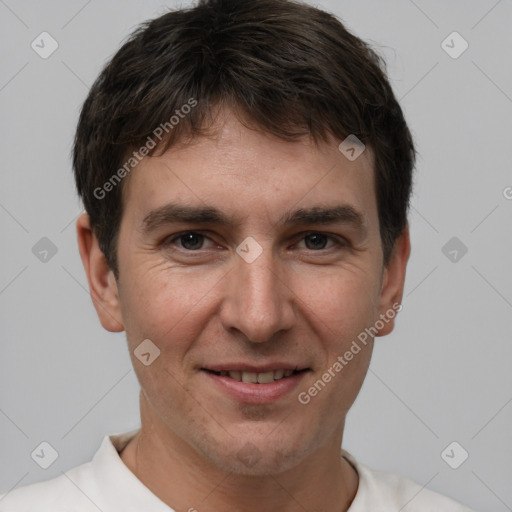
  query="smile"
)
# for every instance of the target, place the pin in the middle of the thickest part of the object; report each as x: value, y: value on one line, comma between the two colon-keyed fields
x: 255, y: 377
x: 249, y: 384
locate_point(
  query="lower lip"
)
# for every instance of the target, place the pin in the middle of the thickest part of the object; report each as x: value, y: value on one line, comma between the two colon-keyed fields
x: 249, y: 393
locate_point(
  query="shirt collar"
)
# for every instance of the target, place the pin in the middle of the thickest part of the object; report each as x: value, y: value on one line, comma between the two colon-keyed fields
x: 122, y: 491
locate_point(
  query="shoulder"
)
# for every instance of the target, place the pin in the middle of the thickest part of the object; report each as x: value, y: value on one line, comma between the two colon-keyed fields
x: 381, y: 491
x: 63, y: 494
x: 83, y: 488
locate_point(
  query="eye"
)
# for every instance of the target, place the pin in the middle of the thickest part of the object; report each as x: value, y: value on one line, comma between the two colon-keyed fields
x: 193, y: 241
x: 189, y: 241
x: 317, y: 241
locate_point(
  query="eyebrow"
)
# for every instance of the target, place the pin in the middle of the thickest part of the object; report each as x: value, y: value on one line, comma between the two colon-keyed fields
x: 175, y: 213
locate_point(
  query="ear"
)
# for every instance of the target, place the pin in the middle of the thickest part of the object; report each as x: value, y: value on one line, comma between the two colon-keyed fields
x: 102, y: 283
x: 393, y: 280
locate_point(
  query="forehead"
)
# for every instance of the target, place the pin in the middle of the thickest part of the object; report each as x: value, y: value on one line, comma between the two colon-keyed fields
x: 245, y: 172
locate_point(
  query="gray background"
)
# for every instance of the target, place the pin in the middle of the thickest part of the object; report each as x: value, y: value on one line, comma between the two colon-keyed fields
x: 442, y: 376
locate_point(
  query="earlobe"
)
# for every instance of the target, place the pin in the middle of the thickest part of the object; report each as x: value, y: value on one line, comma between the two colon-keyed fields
x: 102, y: 283
x: 393, y: 284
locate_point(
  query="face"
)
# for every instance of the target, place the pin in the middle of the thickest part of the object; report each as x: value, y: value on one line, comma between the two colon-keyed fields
x: 245, y: 258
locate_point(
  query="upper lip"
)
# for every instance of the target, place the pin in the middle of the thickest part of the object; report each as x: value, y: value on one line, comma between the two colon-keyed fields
x: 260, y: 368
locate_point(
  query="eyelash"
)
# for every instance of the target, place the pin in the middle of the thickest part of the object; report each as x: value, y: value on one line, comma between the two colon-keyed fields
x: 339, y: 241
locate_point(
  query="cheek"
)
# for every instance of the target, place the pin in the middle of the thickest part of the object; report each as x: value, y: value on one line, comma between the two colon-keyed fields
x: 342, y: 301
x: 166, y: 304
x: 341, y: 307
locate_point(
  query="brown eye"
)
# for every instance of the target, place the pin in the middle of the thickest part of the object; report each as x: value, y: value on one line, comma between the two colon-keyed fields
x: 316, y: 241
x: 188, y: 241
x: 192, y: 241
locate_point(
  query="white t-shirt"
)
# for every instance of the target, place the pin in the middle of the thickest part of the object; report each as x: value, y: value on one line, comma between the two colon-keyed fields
x: 106, y: 484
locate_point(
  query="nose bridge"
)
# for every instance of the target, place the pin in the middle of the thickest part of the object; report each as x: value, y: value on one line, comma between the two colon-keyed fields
x: 257, y: 305
x: 259, y: 279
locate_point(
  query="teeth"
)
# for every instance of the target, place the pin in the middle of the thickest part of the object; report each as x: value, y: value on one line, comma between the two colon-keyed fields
x: 236, y: 375
x: 278, y: 374
x: 260, y: 378
x: 266, y: 377
x: 250, y: 377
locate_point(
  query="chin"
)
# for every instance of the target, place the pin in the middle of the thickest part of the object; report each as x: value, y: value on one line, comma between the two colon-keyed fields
x: 257, y: 455
x: 251, y: 461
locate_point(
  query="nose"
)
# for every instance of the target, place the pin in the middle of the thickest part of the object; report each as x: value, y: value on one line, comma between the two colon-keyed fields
x: 259, y: 300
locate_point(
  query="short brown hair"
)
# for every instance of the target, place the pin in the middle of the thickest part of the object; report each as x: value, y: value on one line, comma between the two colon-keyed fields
x: 288, y: 68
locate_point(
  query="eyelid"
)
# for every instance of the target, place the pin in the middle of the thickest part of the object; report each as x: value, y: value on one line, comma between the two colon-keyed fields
x: 337, y: 239
x: 168, y: 240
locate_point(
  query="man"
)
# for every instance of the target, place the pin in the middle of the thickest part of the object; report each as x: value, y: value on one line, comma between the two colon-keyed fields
x: 246, y: 172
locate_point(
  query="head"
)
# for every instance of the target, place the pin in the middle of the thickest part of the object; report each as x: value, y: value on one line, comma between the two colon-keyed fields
x: 226, y: 120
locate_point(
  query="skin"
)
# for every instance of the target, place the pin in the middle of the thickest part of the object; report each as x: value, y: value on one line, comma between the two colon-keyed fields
x: 204, y: 304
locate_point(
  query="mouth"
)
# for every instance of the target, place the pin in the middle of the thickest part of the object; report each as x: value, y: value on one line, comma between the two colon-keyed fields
x: 256, y: 385
x: 266, y: 377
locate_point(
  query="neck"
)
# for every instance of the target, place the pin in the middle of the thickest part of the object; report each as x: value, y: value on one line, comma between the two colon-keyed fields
x: 185, y: 481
